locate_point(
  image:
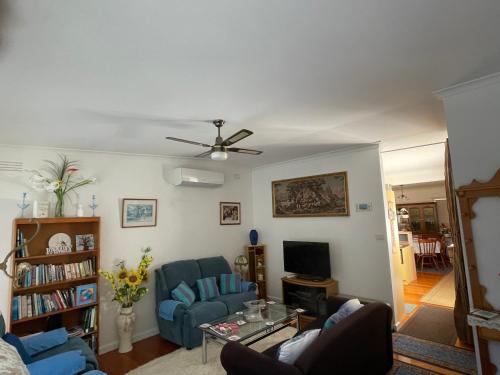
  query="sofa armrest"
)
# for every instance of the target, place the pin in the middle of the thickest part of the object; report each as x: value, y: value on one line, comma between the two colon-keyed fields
x: 44, y: 341
x: 237, y: 359
x: 66, y: 363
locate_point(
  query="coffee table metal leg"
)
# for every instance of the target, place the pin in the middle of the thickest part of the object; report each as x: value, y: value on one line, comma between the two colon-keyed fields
x: 204, y: 348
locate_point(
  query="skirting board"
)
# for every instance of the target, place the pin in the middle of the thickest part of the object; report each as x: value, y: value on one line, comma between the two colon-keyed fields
x: 137, y: 337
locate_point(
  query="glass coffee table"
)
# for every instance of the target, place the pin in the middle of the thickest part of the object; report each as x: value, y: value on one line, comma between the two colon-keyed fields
x: 250, y: 325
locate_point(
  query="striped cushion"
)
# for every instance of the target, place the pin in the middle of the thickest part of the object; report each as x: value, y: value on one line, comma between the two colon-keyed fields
x: 207, y: 288
x: 230, y: 283
x: 183, y: 293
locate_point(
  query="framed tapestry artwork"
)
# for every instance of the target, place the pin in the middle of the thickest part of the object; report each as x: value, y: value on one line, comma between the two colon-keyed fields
x: 138, y: 213
x: 230, y: 213
x: 321, y: 195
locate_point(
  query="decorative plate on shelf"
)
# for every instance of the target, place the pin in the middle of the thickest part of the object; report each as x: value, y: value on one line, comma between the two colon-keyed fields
x: 60, y: 240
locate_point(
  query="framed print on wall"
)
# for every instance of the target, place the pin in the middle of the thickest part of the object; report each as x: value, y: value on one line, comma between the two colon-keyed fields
x: 321, y: 195
x: 230, y: 213
x: 138, y: 213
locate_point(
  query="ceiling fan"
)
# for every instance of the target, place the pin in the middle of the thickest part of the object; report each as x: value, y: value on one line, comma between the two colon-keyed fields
x: 219, y: 151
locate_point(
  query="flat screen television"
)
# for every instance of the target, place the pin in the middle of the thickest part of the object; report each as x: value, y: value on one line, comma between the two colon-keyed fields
x: 307, y: 259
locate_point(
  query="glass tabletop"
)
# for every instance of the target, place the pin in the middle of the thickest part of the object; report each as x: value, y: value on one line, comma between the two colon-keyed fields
x: 242, y: 325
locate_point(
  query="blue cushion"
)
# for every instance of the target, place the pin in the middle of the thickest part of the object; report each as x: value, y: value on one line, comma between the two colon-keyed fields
x: 230, y: 283
x: 67, y: 363
x: 234, y: 302
x: 2, y: 325
x: 16, y: 343
x: 43, y: 341
x: 290, y: 350
x: 183, y: 293
x: 343, y: 312
x: 207, y: 288
x: 213, y: 267
x: 94, y: 372
x: 182, y: 270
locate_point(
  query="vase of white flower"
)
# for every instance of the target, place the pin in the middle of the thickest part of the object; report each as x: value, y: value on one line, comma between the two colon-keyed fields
x: 61, y: 180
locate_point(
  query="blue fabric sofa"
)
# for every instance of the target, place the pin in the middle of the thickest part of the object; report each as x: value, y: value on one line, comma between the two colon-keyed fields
x: 183, y: 329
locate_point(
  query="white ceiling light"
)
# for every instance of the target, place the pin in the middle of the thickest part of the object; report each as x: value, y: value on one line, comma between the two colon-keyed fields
x: 218, y: 155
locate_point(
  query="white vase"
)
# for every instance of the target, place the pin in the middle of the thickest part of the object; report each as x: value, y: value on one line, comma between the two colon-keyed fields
x: 125, y: 323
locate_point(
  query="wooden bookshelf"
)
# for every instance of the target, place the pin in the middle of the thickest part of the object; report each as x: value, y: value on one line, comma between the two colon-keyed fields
x: 257, y: 267
x: 71, y: 316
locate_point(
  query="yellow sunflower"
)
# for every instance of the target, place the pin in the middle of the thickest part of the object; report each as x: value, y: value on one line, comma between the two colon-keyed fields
x: 122, y: 275
x: 133, y: 278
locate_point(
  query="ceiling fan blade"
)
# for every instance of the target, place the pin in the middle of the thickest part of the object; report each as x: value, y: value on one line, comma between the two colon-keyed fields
x: 206, y: 153
x: 243, y: 151
x: 236, y: 137
x: 186, y: 141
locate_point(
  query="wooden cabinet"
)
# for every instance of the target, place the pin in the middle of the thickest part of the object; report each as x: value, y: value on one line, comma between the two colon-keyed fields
x: 423, y: 217
x: 47, y: 296
x: 257, y: 267
x: 308, y: 295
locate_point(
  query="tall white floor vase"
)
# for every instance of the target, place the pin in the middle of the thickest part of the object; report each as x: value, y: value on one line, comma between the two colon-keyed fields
x: 125, y: 322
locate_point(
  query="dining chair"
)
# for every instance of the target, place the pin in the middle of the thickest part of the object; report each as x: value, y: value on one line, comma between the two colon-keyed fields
x: 427, y: 251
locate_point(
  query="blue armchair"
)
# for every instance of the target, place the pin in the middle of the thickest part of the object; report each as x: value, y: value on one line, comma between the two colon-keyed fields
x: 50, y: 352
x: 182, y: 328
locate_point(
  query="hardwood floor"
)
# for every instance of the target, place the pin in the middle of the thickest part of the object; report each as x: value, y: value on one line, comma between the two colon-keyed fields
x: 114, y: 363
x: 414, y: 291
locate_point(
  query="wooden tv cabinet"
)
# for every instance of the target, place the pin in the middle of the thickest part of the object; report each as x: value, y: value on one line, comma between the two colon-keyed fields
x: 309, y: 295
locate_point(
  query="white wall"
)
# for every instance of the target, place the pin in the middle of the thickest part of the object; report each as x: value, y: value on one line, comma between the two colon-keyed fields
x: 473, y: 116
x: 360, y: 262
x: 188, y: 217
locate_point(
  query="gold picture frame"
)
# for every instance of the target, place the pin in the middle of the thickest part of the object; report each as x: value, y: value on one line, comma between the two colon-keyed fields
x: 312, y: 196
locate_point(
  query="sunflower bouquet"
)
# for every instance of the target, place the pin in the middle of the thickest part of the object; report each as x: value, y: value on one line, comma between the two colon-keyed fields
x: 126, y: 282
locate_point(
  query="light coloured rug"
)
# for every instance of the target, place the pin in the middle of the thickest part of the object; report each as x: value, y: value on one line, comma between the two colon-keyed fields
x: 188, y: 362
x: 443, y: 293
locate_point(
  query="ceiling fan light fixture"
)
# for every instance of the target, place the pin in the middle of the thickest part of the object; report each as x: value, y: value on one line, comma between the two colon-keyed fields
x: 218, y: 155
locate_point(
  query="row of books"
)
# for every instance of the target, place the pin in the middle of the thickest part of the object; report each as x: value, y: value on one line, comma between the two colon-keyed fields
x: 48, y: 273
x: 21, y: 240
x: 90, y: 320
x: 91, y: 341
x: 30, y: 305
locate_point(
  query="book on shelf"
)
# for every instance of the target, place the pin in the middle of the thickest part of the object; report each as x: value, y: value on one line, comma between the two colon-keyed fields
x: 41, y: 274
x: 21, y: 240
x: 91, y: 341
x: 32, y: 305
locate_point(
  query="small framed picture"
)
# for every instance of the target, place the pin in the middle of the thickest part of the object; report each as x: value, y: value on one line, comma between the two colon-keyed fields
x: 86, y: 294
x: 138, y: 213
x: 230, y: 213
x: 84, y: 242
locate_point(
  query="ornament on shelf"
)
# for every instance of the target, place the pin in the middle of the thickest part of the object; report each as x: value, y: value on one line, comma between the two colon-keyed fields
x: 93, y: 206
x: 79, y: 210
x: 23, y: 205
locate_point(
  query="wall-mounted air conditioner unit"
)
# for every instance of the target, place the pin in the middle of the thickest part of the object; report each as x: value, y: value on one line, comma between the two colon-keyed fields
x: 193, y: 177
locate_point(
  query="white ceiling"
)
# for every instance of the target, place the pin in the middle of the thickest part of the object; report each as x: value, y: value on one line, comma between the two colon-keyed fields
x: 305, y: 76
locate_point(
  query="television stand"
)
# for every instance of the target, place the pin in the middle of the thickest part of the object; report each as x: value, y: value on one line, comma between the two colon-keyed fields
x: 310, y: 295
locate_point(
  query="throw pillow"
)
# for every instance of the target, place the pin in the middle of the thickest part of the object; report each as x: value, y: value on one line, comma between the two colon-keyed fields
x: 290, y: 350
x: 230, y: 283
x: 10, y: 361
x: 343, y: 312
x: 207, y: 288
x: 183, y: 293
x: 16, y: 343
x: 41, y: 342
